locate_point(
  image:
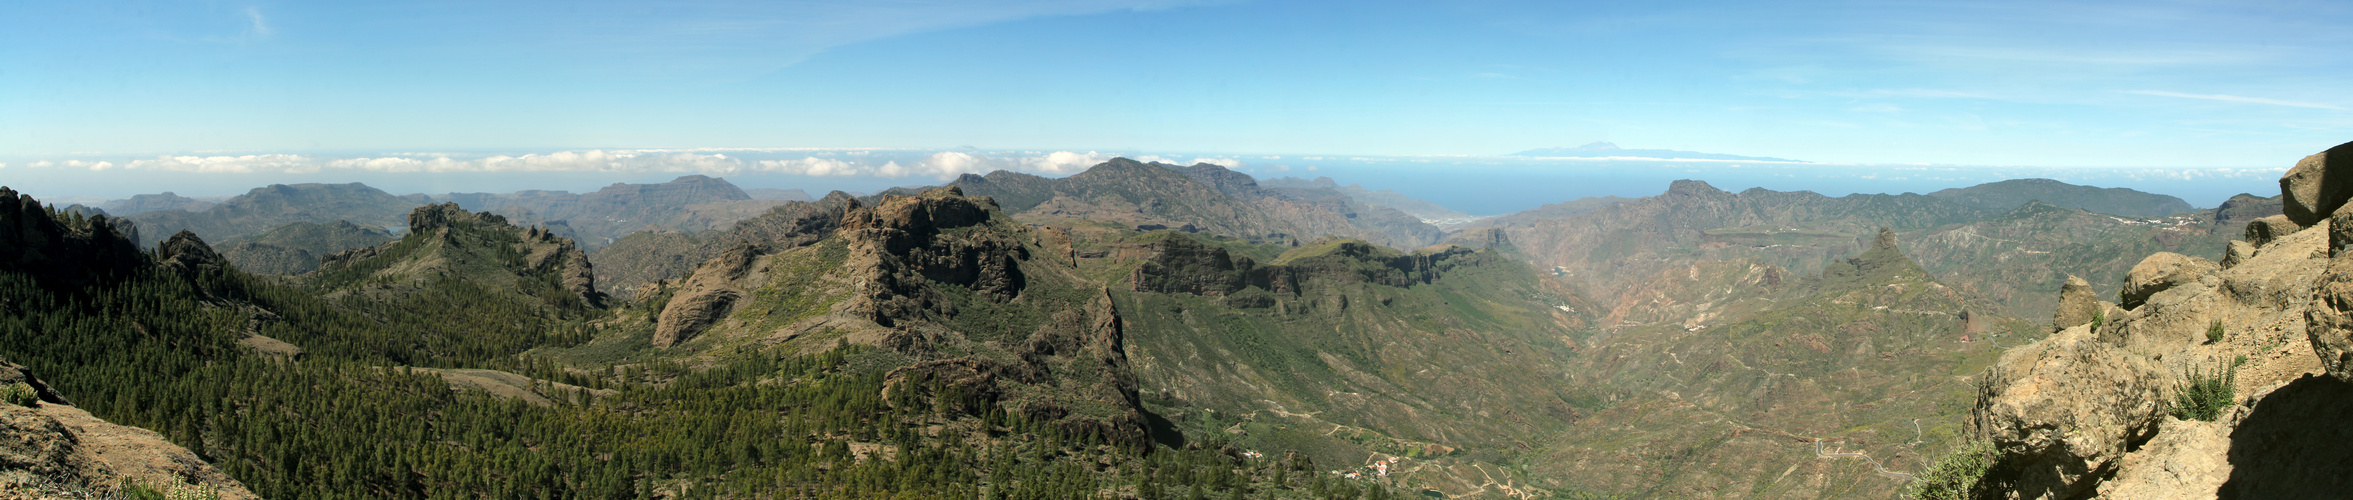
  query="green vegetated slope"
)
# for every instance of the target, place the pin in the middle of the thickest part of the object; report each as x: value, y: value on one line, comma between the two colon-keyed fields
x: 1855, y: 357
x: 2008, y: 194
x: 268, y: 207
x: 154, y: 340
x: 1446, y: 361
x: 2021, y: 257
x: 2015, y: 256
x: 295, y: 248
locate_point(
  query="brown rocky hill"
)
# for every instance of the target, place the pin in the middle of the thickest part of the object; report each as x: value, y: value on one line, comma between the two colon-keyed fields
x: 2210, y: 380
x: 692, y: 203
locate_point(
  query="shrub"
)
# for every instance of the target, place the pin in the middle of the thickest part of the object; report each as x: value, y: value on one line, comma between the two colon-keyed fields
x: 2206, y: 393
x: 2099, y: 318
x: 19, y: 394
x: 2214, y: 332
x: 1959, y: 475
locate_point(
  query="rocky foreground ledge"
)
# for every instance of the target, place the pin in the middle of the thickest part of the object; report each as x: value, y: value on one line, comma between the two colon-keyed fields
x: 2109, y: 406
x: 49, y: 449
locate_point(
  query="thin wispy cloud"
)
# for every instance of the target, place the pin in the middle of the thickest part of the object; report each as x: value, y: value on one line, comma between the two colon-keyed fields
x: 2238, y: 99
x: 260, y: 26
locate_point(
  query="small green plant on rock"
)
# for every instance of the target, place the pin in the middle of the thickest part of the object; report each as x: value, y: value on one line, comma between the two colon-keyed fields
x: 1959, y: 475
x: 2214, y: 332
x: 19, y: 394
x: 2099, y: 318
x: 2206, y: 393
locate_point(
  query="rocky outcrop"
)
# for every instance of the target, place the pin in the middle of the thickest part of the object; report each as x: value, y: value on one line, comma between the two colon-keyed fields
x: 707, y: 297
x: 186, y: 254
x: 2262, y: 231
x: 2238, y: 251
x: 62, y: 251
x: 2318, y: 185
x: 2086, y: 412
x: 2161, y: 272
x: 2077, y: 304
x: 53, y: 450
x: 2063, y: 410
x: 902, y: 242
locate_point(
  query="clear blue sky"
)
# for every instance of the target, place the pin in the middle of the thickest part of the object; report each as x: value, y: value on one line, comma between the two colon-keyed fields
x: 2116, y: 84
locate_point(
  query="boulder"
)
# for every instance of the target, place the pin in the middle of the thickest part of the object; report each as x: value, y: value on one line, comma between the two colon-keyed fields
x: 2329, y: 321
x: 2077, y: 304
x: 2161, y: 271
x: 2263, y: 231
x: 2318, y: 185
x: 2236, y: 252
x: 2063, y: 411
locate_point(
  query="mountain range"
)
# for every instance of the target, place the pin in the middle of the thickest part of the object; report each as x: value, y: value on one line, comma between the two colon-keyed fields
x: 1134, y: 330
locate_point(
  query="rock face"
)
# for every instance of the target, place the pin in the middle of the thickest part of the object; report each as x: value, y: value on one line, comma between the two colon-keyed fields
x: 2062, y: 411
x: 707, y: 297
x: 2318, y: 185
x: 2160, y: 272
x: 2077, y: 304
x: 898, y: 244
x: 52, y: 450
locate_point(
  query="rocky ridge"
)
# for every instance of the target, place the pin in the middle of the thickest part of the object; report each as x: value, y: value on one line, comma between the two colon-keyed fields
x: 2098, y: 408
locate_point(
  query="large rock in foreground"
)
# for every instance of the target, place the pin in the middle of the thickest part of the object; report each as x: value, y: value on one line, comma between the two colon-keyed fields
x: 2318, y: 185
x: 2162, y: 271
x: 2064, y: 410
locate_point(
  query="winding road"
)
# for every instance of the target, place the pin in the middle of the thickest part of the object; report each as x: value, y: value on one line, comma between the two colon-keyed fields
x: 1874, y: 462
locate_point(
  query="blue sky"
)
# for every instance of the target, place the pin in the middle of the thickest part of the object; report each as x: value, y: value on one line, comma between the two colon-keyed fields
x: 292, y: 87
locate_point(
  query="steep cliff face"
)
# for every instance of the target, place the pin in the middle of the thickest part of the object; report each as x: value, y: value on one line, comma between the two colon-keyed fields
x: 2210, y: 381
